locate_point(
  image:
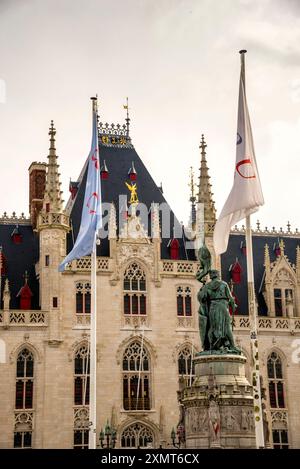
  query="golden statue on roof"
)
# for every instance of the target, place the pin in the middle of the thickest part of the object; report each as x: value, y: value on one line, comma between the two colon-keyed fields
x: 133, y: 193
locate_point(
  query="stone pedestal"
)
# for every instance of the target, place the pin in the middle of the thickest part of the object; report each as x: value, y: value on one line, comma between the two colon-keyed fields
x: 218, y: 407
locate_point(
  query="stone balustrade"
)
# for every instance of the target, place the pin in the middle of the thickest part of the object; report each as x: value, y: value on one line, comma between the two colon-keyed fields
x: 17, y: 318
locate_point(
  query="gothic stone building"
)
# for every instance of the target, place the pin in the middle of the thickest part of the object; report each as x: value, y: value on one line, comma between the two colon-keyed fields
x: 147, y: 325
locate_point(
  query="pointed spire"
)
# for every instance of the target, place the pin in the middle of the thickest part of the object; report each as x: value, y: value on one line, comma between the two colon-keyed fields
x: 267, y: 262
x: 298, y: 262
x: 126, y: 106
x: 52, y: 197
x: 204, y: 192
x: 192, y: 198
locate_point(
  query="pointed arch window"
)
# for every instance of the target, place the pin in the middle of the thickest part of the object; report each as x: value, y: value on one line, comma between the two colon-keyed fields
x: 136, y: 378
x: 81, y: 397
x: 276, y: 381
x: 24, y: 380
x: 137, y: 436
x: 81, y: 376
x: 186, y: 366
x: 83, y: 298
x: 134, y: 290
x: 184, y: 301
x: 24, y: 399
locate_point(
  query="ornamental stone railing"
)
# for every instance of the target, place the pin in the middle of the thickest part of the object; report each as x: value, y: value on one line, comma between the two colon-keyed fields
x: 267, y: 323
x: 17, y: 318
x: 186, y: 268
x: 84, y: 265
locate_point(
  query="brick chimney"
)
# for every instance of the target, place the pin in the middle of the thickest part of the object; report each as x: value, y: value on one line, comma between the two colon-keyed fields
x: 37, y: 181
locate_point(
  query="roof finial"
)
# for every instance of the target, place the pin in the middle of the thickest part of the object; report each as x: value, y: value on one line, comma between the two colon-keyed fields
x: 52, y: 133
x: 126, y: 106
x: 203, y: 146
x: 26, y: 277
x: 52, y: 195
x: 192, y: 185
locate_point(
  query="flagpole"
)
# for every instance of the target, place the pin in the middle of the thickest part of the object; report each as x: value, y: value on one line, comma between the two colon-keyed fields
x: 93, y: 360
x: 93, y: 341
x: 259, y: 431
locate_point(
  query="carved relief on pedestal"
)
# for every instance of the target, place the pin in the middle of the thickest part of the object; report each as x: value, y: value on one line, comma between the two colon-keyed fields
x: 196, y: 420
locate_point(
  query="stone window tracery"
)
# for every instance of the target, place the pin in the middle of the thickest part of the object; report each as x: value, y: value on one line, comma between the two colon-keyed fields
x: 83, y: 298
x: 134, y: 290
x: 24, y: 380
x: 276, y: 382
x: 81, y: 376
x: 24, y: 399
x: 137, y: 436
x: 185, y: 364
x: 81, y: 397
x: 136, y: 378
x: 277, y: 401
x: 184, y: 301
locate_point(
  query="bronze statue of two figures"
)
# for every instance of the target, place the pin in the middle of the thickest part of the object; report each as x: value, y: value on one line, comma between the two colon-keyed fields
x: 215, y: 298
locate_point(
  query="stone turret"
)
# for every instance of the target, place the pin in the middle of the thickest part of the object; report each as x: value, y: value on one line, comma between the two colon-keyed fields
x: 205, y: 209
x: 53, y: 226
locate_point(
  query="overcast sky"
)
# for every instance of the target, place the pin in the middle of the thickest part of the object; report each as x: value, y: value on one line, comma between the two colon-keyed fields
x: 178, y: 62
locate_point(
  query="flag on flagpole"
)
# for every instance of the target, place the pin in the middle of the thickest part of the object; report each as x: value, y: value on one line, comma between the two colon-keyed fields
x: 246, y: 194
x: 91, y: 219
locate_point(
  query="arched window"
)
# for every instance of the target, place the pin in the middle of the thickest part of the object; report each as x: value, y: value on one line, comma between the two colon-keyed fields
x: 81, y: 376
x: 134, y: 290
x: 81, y: 396
x: 24, y: 399
x: 277, y: 401
x: 276, y: 382
x: 137, y: 435
x: 186, y: 366
x: 136, y: 378
x: 184, y: 301
x: 83, y: 298
x: 24, y: 383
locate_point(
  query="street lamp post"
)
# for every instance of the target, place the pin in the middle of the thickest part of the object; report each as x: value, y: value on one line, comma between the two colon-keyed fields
x: 180, y: 436
x: 108, y: 437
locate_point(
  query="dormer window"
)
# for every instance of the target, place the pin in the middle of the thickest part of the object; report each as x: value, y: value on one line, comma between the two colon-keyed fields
x: 132, y: 174
x: 174, y: 248
x: 16, y: 235
x: 236, y: 272
x: 104, y: 171
x: 25, y: 295
x: 277, y: 249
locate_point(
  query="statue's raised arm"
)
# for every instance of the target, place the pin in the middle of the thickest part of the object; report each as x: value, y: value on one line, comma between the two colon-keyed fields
x: 204, y: 258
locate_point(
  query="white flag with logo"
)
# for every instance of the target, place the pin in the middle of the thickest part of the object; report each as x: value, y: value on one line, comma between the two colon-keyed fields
x: 246, y: 194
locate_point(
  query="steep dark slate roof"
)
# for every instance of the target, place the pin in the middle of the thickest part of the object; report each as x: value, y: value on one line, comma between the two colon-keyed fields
x: 119, y: 160
x: 19, y: 258
x: 234, y: 251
